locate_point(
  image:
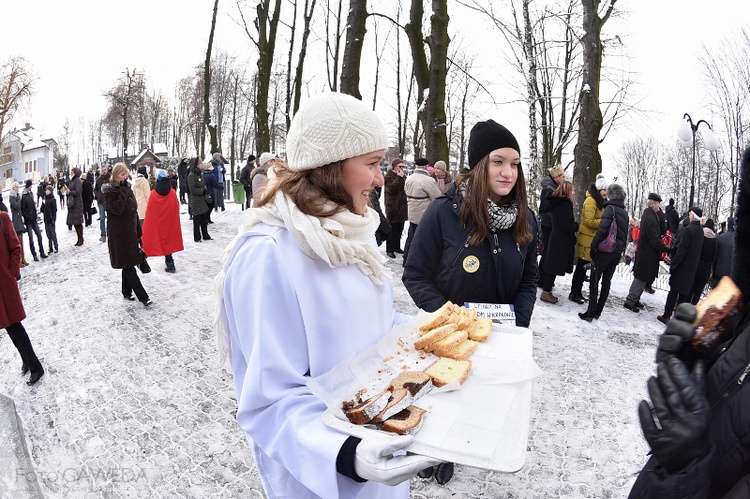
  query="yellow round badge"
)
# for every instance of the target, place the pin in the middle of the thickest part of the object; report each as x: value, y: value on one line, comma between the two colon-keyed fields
x: 471, y: 264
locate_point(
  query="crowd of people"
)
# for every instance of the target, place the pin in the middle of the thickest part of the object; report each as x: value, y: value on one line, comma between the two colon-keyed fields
x: 314, y: 222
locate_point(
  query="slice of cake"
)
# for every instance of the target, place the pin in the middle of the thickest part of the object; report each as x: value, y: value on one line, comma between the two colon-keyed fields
x: 406, y: 422
x: 713, y: 312
x: 445, y: 370
x: 438, y: 317
x: 450, y: 341
x: 482, y: 329
x: 360, y: 411
x: 416, y: 382
x: 462, y: 351
x: 434, y: 335
x: 399, y: 400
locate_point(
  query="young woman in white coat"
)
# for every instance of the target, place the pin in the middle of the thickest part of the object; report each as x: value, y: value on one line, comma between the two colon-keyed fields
x: 303, y: 287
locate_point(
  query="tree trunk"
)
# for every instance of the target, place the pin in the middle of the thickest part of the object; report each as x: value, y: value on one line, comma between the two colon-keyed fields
x: 430, y: 76
x: 207, y: 87
x: 302, y: 54
x: 332, y: 53
x: 355, y: 37
x: 288, y: 104
x: 266, y: 44
x: 588, y: 160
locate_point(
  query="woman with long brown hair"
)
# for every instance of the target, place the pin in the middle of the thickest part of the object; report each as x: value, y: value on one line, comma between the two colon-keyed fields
x: 477, y: 243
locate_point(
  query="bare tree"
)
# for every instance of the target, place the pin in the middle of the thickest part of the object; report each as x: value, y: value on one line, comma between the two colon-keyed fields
x: 588, y: 160
x: 210, y: 125
x: 333, y: 43
x: 355, y: 39
x: 16, y: 84
x: 309, y: 9
x: 122, y: 99
x: 430, y: 76
x: 266, y: 24
x: 728, y: 81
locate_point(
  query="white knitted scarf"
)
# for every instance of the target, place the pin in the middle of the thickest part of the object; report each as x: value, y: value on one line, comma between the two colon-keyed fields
x: 344, y: 238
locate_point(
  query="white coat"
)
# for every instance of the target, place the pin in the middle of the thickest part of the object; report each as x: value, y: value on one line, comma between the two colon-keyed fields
x: 289, y: 317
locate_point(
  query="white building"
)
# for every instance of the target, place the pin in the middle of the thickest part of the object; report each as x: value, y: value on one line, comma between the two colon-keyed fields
x: 26, y: 153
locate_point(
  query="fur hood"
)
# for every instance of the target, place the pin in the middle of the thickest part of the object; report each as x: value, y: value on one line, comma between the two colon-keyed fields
x: 615, y: 191
x: 740, y: 273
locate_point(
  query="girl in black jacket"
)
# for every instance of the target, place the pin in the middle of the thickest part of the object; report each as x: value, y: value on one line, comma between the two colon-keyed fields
x: 562, y: 239
x: 477, y: 243
x: 605, y: 262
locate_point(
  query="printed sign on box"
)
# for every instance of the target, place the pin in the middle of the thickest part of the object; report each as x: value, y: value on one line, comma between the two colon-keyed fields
x: 502, y: 313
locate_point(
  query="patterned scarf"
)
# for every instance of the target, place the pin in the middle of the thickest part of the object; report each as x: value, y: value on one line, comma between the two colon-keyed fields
x: 501, y: 217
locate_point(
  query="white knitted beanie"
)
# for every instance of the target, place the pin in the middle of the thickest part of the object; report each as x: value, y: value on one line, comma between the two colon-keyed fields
x: 332, y: 127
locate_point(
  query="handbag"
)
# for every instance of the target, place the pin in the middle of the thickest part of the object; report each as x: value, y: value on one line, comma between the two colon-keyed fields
x: 610, y: 242
x: 208, y: 198
x: 144, y: 266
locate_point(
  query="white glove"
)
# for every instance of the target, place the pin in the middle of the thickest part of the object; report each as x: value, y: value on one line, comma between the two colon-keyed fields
x: 374, y: 460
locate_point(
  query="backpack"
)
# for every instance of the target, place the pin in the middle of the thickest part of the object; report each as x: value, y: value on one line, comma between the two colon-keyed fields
x: 609, y: 244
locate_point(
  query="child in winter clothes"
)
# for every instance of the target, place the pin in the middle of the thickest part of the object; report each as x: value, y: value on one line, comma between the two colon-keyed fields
x: 49, y: 208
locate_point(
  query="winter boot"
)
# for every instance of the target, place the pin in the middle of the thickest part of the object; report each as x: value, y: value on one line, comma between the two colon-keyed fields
x: 35, y: 257
x: 169, y: 262
x: 79, y: 233
x: 42, y: 254
x: 24, y: 263
x: 548, y: 297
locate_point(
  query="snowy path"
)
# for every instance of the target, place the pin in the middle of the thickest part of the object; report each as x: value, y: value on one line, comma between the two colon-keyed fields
x: 134, y: 405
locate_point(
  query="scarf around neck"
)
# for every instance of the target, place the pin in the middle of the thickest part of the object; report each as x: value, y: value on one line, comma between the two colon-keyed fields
x: 502, y: 217
x: 344, y: 238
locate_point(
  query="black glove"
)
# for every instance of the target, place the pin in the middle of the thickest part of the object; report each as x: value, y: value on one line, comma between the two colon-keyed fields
x: 676, y: 338
x: 673, y: 250
x: 682, y: 412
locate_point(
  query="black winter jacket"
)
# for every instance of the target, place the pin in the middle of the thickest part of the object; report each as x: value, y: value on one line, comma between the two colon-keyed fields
x: 673, y: 220
x: 49, y: 208
x: 724, y: 250
x: 548, y: 185
x: 685, y: 261
x: 650, y: 247
x: 442, y: 266
x: 725, y: 467
x: 28, y: 207
x: 613, y: 210
x: 708, y: 254
x: 562, y: 239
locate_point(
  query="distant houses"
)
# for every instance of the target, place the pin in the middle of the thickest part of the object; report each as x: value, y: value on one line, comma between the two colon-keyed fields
x: 27, y: 153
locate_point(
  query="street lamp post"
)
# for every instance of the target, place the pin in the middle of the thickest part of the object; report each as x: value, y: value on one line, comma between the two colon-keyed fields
x: 686, y: 133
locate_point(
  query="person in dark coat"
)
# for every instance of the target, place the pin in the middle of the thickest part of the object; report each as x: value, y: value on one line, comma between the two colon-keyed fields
x: 724, y: 250
x: 28, y: 210
x: 648, y: 255
x: 562, y: 240
x: 673, y: 219
x: 15, y: 211
x: 700, y: 447
x: 62, y: 185
x: 246, y: 179
x: 548, y: 184
x: 74, y: 190
x: 49, y: 209
x: 102, y: 179
x: 197, y: 200
x: 11, y: 305
x: 708, y: 254
x: 87, y: 196
x: 477, y: 242
x: 124, y: 231
x: 396, y: 206
x: 3, y: 207
x: 384, y: 228
x: 684, y: 264
x: 605, y: 263
x: 209, y: 180
x: 182, y: 175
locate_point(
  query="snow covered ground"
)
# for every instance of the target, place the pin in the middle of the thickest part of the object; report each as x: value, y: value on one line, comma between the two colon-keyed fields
x: 133, y: 403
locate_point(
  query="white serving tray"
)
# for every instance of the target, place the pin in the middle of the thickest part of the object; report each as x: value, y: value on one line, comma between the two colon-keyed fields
x: 483, y: 424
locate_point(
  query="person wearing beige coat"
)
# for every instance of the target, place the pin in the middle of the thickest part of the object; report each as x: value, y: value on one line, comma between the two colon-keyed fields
x: 142, y: 191
x: 420, y: 190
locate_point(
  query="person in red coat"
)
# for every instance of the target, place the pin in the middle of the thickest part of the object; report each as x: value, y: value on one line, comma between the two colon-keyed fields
x: 11, y: 306
x: 162, y: 234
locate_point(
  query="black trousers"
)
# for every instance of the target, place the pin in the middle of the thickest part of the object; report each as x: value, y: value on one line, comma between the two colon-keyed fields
x: 131, y: 283
x: 409, y: 237
x: 603, y: 268
x: 546, y: 232
x: 22, y: 343
x: 248, y: 195
x: 673, y: 299
x: 87, y: 215
x: 695, y: 292
x: 393, y: 243
x: 579, y: 275
x: 200, y: 226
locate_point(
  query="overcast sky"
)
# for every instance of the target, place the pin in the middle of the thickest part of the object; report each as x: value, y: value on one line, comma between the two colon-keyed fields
x: 79, y: 48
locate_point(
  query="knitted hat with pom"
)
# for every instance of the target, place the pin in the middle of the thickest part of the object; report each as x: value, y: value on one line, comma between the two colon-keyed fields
x: 332, y: 127
x: 601, y: 184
